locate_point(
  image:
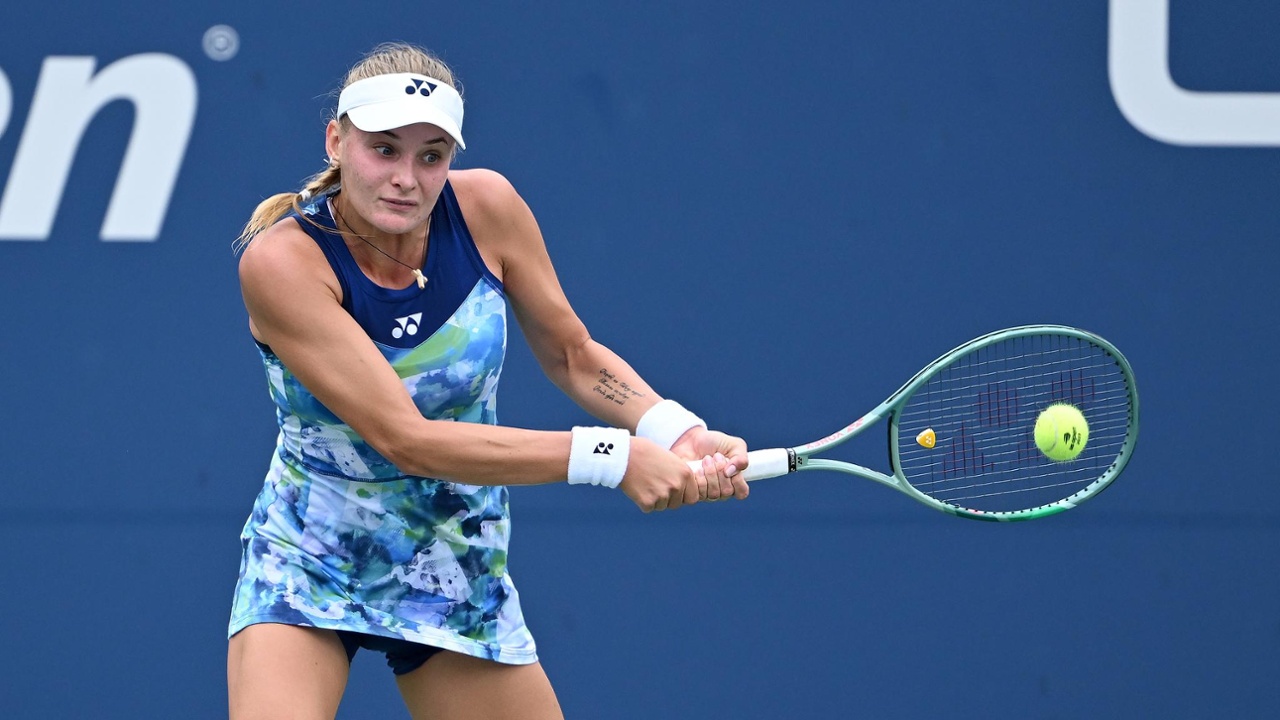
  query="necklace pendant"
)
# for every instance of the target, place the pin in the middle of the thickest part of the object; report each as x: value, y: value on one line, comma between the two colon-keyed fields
x: 422, y: 279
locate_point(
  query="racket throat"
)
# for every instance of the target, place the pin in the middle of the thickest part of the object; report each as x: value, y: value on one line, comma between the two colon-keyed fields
x: 794, y: 461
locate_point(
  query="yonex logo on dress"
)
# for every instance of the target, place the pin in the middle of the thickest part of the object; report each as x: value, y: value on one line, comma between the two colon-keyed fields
x: 417, y: 87
x: 407, y: 325
x: 603, y: 449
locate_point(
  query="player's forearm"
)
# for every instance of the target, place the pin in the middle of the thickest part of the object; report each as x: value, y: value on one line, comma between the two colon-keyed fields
x: 478, y: 454
x: 605, y: 386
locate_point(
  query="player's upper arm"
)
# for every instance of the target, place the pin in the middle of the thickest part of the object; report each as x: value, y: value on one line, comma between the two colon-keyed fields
x: 505, y: 230
x: 294, y: 305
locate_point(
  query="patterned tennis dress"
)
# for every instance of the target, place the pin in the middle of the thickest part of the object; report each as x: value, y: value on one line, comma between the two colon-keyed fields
x: 339, y: 537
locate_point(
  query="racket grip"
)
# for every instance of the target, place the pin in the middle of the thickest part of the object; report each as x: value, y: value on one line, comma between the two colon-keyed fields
x: 761, y: 464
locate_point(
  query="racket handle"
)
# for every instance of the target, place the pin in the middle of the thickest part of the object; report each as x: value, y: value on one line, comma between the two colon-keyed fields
x: 761, y: 464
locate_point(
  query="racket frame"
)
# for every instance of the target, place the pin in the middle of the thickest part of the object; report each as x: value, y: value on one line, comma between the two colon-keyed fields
x: 802, y: 458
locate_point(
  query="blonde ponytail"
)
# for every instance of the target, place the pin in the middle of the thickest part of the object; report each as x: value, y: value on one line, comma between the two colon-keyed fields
x: 270, y: 211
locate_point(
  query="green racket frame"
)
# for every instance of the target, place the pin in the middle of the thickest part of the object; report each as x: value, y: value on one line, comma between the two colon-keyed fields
x: 774, y: 462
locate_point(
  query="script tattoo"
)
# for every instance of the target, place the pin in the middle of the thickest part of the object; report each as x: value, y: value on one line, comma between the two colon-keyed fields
x: 614, y: 390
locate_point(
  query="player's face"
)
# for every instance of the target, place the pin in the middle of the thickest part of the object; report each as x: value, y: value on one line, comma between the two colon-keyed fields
x: 392, y: 179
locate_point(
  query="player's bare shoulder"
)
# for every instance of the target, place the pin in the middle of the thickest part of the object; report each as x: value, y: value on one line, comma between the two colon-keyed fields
x: 500, y: 222
x: 284, y: 255
x: 483, y: 193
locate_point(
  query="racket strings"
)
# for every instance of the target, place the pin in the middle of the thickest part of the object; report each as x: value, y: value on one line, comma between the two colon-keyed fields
x: 1019, y: 452
x: 1114, y: 399
x: 982, y: 410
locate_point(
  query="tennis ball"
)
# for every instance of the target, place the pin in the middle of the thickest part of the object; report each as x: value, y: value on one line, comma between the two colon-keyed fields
x: 1061, y: 432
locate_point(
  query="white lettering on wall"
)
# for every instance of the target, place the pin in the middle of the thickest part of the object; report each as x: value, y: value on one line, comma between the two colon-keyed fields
x: 68, y: 95
x: 1144, y: 90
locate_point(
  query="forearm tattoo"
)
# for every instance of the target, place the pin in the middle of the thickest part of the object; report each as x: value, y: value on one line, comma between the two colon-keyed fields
x: 611, y: 388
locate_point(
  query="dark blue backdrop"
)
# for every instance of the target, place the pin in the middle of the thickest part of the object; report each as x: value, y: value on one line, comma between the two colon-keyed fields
x: 777, y: 212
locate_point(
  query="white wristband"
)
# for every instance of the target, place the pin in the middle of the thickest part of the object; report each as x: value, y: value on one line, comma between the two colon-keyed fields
x: 598, y: 456
x: 665, y: 422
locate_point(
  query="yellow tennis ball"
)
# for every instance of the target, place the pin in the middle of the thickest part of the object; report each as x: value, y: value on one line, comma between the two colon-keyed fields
x: 1061, y: 432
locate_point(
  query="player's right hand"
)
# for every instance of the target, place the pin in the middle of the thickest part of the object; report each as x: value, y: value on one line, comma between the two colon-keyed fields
x: 657, y: 479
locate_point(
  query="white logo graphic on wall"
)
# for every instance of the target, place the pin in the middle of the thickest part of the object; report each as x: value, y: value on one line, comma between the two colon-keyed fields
x: 68, y: 95
x: 407, y: 325
x: 1148, y: 97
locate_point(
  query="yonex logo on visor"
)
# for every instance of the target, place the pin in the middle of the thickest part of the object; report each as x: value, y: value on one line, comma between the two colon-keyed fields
x: 386, y: 102
x: 418, y: 87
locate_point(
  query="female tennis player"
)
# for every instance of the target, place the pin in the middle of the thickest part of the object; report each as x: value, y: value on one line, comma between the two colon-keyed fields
x: 377, y: 296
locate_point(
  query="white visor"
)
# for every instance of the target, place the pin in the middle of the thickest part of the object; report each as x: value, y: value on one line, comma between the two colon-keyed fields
x: 386, y: 102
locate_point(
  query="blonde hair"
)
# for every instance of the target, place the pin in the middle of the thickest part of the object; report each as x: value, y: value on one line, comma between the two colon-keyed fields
x: 387, y: 58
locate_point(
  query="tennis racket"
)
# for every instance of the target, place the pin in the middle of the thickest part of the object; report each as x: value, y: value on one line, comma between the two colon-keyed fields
x: 961, y: 432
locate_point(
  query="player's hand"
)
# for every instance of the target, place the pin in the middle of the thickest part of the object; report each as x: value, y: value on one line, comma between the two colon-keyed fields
x: 723, y: 458
x: 657, y: 479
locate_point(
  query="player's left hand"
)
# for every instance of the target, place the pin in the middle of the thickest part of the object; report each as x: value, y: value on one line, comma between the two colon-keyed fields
x: 723, y: 459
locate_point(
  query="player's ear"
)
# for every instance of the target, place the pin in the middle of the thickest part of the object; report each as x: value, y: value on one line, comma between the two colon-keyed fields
x: 333, y: 141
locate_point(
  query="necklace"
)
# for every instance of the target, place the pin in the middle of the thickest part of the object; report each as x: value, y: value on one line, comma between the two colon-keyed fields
x: 417, y: 272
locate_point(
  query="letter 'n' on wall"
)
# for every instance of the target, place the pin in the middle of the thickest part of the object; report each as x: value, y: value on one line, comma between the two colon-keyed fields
x: 68, y: 95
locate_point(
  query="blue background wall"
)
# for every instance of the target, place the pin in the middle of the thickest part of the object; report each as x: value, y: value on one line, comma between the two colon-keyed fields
x: 777, y: 212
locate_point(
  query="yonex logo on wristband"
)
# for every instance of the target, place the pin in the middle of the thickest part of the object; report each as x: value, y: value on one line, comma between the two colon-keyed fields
x: 598, y: 456
x: 422, y: 87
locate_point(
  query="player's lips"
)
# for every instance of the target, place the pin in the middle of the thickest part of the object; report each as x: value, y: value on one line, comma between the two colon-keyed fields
x: 400, y: 204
